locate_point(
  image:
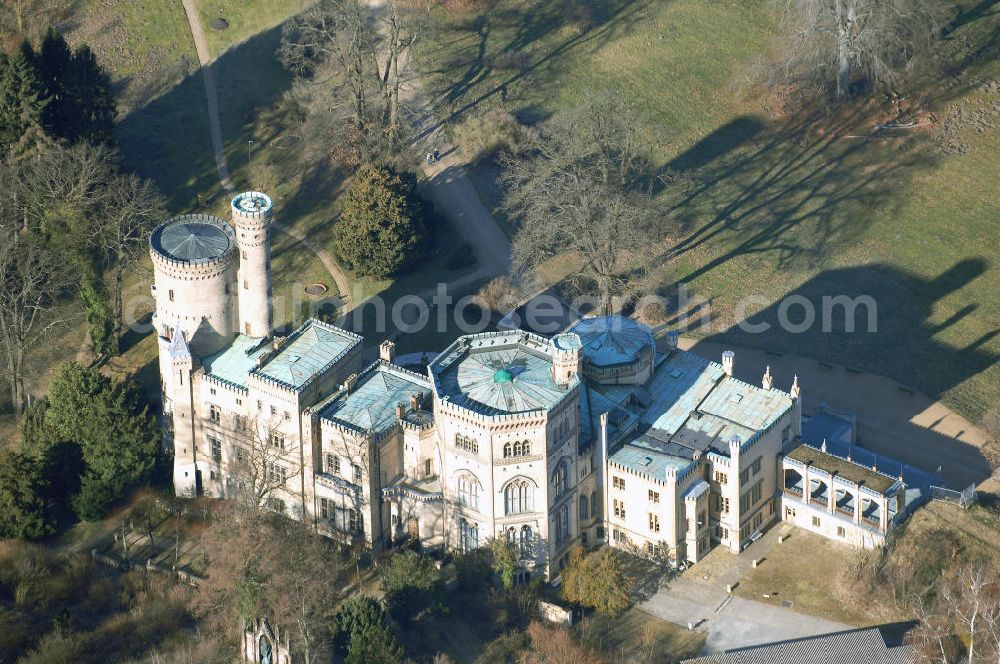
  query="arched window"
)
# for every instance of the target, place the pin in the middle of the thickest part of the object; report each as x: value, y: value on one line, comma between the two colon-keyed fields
x: 265, y: 651
x: 506, y: 450
x: 518, y: 497
x: 583, y: 508
x: 559, y: 479
x: 468, y: 492
x: 517, y: 449
x: 526, y: 448
x: 512, y: 536
x: 468, y: 536
x: 526, y: 547
x: 595, y: 506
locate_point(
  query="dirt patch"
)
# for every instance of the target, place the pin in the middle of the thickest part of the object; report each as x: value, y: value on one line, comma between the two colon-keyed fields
x: 978, y: 114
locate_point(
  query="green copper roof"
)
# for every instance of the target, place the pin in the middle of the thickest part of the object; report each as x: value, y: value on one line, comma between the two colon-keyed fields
x: 308, y: 352
x: 499, y: 372
x: 371, y: 403
x: 233, y: 363
x: 612, y: 340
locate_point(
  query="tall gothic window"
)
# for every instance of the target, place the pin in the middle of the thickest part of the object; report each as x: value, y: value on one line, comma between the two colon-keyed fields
x: 468, y: 536
x: 559, y: 479
x: 468, y: 492
x: 526, y: 548
x: 584, y: 512
x: 518, y: 497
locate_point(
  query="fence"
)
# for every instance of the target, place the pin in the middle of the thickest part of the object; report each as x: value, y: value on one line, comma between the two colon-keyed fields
x: 964, y: 498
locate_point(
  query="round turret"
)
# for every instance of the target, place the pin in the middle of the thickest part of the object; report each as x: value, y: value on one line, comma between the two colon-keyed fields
x: 194, y: 272
x: 252, y: 212
x: 616, y: 349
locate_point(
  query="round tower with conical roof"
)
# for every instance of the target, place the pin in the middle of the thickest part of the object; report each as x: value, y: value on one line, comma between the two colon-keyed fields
x: 251, y: 212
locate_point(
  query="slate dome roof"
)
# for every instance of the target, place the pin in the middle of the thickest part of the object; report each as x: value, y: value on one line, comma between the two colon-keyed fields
x: 193, y: 238
x: 610, y: 341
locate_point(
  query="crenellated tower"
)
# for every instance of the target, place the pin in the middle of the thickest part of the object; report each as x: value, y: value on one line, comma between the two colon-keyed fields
x: 252, y: 212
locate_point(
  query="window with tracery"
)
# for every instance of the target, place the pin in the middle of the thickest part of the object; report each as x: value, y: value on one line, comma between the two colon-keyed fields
x: 519, y: 497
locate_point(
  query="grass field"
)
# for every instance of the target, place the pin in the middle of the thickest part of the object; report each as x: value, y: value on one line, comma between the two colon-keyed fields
x: 770, y: 205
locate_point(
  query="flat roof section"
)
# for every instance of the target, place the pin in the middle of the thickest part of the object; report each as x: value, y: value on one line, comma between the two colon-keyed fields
x: 848, y: 470
x: 233, y: 363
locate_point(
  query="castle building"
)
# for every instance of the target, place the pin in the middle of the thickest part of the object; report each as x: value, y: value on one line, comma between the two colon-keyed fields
x: 593, y: 436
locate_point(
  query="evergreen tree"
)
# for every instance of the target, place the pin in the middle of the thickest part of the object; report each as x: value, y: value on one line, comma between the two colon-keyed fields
x: 382, y: 227
x: 357, y: 617
x: 376, y: 645
x: 117, y: 436
x: 22, y: 100
x: 410, y: 583
x: 24, y: 509
x: 53, y: 62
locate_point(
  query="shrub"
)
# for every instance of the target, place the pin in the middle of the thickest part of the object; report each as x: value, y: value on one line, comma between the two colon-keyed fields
x: 485, y: 136
x: 498, y: 295
x: 410, y: 583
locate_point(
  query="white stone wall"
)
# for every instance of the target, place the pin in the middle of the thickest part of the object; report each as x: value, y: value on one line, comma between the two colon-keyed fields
x: 254, y: 282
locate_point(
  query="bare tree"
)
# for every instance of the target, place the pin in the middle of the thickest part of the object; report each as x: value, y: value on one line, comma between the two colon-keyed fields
x: 833, y: 41
x: 264, y: 566
x: 131, y: 209
x: 966, y: 599
x: 365, y: 47
x: 32, y: 278
x: 583, y: 190
x: 263, y: 463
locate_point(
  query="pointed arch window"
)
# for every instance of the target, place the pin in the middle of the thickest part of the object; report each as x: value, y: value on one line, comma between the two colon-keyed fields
x: 468, y: 492
x: 526, y: 544
x: 519, y: 497
x: 468, y: 536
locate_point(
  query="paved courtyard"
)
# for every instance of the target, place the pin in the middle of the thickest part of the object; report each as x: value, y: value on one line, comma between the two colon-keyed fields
x: 699, y: 598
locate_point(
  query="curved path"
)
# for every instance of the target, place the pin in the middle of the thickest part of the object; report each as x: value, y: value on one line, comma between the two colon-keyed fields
x: 211, y: 97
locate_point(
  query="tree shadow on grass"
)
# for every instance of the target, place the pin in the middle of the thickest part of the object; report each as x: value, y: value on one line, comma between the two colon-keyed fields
x: 516, y: 60
x: 797, y: 195
x: 169, y: 141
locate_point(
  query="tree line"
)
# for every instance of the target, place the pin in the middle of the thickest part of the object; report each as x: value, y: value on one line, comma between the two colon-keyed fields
x: 69, y: 213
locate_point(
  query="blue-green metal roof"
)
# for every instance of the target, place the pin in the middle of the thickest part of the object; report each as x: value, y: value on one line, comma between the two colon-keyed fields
x: 499, y: 372
x: 233, y: 363
x: 613, y: 340
x: 745, y: 404
x: 308, y: 352
x: 651, y: 457
x: 677, y: 388
x: 193, y: 238
x: 370, y: 406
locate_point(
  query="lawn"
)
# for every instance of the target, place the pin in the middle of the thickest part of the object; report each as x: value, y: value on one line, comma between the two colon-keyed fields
x: 245, y: 19
x: 770, y: 205
x: 636, y: 636
x: 811, y: 588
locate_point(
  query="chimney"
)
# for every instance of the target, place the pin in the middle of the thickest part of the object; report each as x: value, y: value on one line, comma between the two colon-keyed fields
x: 387, y: 351
x: 727, y: 362
x: 768, y: 381
x: 796, y: 390
x: 672, y: 340
x: 415, y: 400
x: 350, y: 382
x: 400, y: 411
